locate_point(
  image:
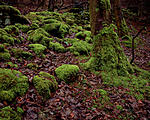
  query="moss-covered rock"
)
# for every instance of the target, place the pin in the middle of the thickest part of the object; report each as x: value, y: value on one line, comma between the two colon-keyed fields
x: 38, y: 48
x: 39, y: 36
x: 57, y: 47
x: 7, y: 113
x: 4, y: 53
x: 45, y: 84
x: 19, y: 53
x: 80, y: 48
x: 2, y: 48
x: 5, y: 56
x: 9, y: 10
x: 23, y: 28
x: 85, y: 35
x: 67, y: 73
x: 34, y: 26
x: 12, y: 29
x: 32, y: 66
x: 12, y: 15
x: 5, y: 37
x: 11, y: 65
x: 12, y: 84
x: 57, y: 29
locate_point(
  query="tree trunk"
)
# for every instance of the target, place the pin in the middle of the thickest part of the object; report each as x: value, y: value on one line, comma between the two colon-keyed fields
x: 51, y: 5
x: 99, y: 12
x: 119, y: 20
x: 108, y: 55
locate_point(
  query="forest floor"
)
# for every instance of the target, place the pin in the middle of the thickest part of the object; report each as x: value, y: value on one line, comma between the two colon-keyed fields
x: 78, y: 101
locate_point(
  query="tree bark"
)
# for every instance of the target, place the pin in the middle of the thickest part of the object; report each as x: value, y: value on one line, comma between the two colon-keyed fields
x: 99, y: 13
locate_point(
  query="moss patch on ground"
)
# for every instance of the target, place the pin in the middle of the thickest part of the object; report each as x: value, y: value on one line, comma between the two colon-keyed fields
x: 39, y: 36
x: 4, y: 53
x: 19, y: 53
x: 38, y: 48
x: 5, y: 37
x: 67, y: 73
x: 7, y: 113
x: 57, y: 47
x: 80, y: 48
x: 12, y: 84
x: 45, y: 84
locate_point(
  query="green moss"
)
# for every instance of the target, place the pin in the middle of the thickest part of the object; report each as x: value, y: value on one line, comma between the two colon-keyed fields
x: 127, y: 41
x: 11, y: 29
x: 32, y: 66
x: 19, y: 53
x: 48, y: 21
x: 119, y: 107
x: 38, y: 48
x: 109, y: 54
x: 67, y: 73
x: 80, y: 47
x: 4, y: 54
x: 5, y: 37
x: 12, y: 84
x: 116, y: 70
x: 7, y: 113
x: 57, y: 47
x: 39, y: 36
x: 105, y: 4
x: 124, y: 28
x: 103, y: 98
x: 9, y: 10
x: 45, y: 84
x: 11, y: 65
x: 70, y: 21
x: 34, y: 26
x: 2, y: 48
x: 86, y: 35
x: 23, y: 28
x: 57, y: 29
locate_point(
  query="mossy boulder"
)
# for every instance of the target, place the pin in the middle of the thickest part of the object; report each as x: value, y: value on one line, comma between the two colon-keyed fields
x: 57, y: 29
x: 9, y: 10
x: 2, y: 48
x: 32, y: 66
x: 67, y: 73
x: 57, y: 47
x: 84, y: 35
x: 34, y: 26
x: 11, y: 65
x: 23, y: 28
x: 7, y: 113
x: 39, y: 36
x: 45, y: 84
x: 11, y: 15
x: 19, y: 53
x: 12, y: 84
x: 4, y: 53
x: 80, y: 48
x: 12, y: 29
x: 38, y: 48
x: 6, y: 38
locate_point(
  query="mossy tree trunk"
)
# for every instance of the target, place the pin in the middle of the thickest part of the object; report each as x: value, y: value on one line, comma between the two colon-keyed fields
x: 99, y: 13
x: 108, y: 55
x: 119, y: 20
